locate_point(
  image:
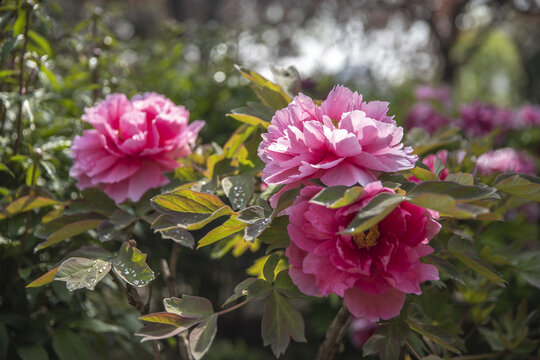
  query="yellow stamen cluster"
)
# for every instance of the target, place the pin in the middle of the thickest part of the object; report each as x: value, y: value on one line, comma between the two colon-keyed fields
x: 367, y: 239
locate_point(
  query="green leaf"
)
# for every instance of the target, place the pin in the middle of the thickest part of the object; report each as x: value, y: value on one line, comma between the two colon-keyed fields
x: 26, y: 203
x: 130, y: 265
x: 229, y: 227
x: 457, y: 191
x: 67, y: 231
x: 445, y: 266
x: 41, y: 42
x: 20, y: 23
x: 435, y: 334
x: 520, y: 185
x: 280, y: 322
x: 423, y: 143
x: 255, y: 229
x: 252, y: 288
x: 201, y: 337
x: 191, y: 209
x: 44, y: 279
x: 447, y: 206
x: 98, y: 201
x: 81, y: 273
x: 122, y: 219
x: 248, y: 119
x: 163, y: 325
x: 285, y: 286
x: 7, y: 47
x: 239, y: 189
x: 286, y: 199
x: 170, y: 230
x: 386, y: 341
x: 271, y: 95
x: 32, y: 352
x: 270, y: 266
x: 378, y: 207
x: 3, y: 167
x: 423, y: 174
x: 276, y: 235
x: 461, y: 178
x: 480, y: 267
x: 68, y: 346
x: 189, y: 306
x: 337, y: 196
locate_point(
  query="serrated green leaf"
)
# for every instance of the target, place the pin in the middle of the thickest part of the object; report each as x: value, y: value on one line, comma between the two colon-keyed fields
x: 229, y: 227
x: 280, y: 322
x: 378, y: 207
x: 44, y: 279
x: 239, y: 189
x: 520, y: 185
x: 202, y: 336
x: 67, y: 231
x: 130, y: 265
x: 337, y: 196
x: 81, y: 273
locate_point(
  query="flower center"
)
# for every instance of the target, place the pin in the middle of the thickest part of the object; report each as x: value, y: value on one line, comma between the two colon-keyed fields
x: 336, y: 123
x: 367, y: 239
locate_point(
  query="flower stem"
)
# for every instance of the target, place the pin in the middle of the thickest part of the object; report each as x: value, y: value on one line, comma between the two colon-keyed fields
x: 334, y: 335
x: 233, y: 307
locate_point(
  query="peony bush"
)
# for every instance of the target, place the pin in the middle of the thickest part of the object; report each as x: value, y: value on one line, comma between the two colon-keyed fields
x: 322, y: 219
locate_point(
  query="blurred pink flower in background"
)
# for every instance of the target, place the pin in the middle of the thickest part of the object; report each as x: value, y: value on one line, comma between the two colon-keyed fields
x: 343, y: 142
x: 425, y: 116
x: 478, y: 119
x: 361, y: 330
x: 132, y: 144
x: 529, y: 116
x: 373, y: 271
x: 505, y: 160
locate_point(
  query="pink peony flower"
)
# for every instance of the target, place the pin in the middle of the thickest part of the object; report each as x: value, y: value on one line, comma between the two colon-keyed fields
x: 343, y: 142
x: 372, y: 271
x: 361, y: 330
x: 505, y: 160
x: 425, y: 116
x: 132, y: 144
x: 478, y: 119
x: 430, y: 161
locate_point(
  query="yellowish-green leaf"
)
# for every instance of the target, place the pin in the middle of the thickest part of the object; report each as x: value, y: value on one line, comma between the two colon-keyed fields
x: 44, y: 279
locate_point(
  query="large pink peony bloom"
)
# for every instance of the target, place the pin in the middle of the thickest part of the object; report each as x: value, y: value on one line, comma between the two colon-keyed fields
x: 505, y: 159
x: 132, y: 144
x: 343, y: 142
x: 372, y: 271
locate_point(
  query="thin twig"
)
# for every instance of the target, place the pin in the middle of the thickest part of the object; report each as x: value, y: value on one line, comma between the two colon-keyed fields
x: 22, y: 87
x: 233, y: 307
x: 334, y: 335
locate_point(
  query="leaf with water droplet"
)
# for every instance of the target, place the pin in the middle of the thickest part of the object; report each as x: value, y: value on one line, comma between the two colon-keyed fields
x: 130, y: 265
x: 81, y: 273
x: 169, y: 229
x: 239, y: 189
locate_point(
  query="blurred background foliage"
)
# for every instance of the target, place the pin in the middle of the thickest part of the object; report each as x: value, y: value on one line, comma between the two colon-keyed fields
x: 57, y: 57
